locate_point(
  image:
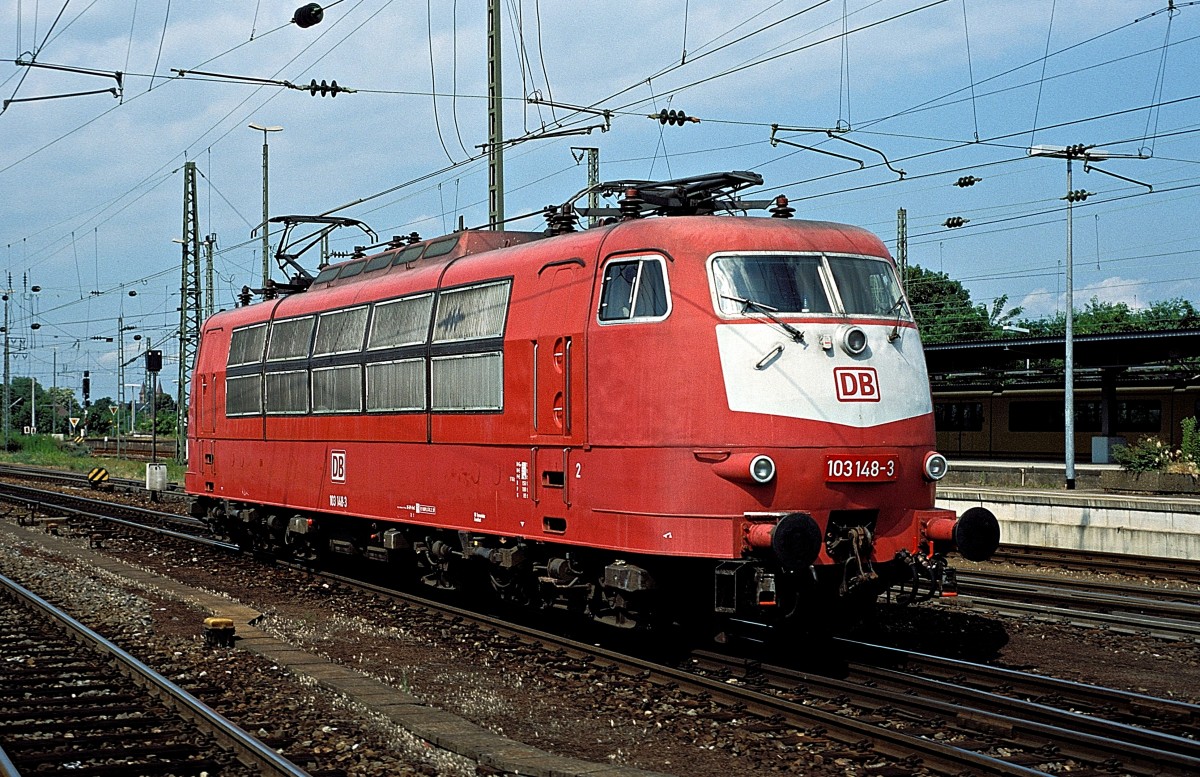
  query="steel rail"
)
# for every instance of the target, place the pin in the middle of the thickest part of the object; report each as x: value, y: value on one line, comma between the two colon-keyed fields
x: 1045, y: 609
x: 222, y: 729
x: 1183, y: 570
x: 1040, y: 683
x: 7, y: 767
x: 894, y: 744
x: 1030, y: 726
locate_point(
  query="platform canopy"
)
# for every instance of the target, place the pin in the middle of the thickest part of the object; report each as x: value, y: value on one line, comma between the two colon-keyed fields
x: 1115, y: 350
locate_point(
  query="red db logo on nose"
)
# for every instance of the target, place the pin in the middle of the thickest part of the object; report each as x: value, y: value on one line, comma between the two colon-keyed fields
x: 856, y: 384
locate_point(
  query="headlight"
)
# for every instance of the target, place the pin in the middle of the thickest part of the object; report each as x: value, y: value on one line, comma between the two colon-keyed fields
x: 854, y: 340
x: 762, y: 469
x: 935, y: 466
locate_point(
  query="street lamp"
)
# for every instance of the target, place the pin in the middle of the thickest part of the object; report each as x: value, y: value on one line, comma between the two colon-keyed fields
x: 266, y: 246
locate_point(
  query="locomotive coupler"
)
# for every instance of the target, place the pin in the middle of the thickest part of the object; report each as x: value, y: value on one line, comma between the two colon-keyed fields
x: 926, y: 577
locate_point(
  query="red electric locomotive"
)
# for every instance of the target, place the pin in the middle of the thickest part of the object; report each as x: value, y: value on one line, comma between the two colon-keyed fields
x: 648, y: 418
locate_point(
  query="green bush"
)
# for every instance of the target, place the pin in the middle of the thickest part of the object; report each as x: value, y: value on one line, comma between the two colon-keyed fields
x: 1189, y: 448
x: 1150, y: 454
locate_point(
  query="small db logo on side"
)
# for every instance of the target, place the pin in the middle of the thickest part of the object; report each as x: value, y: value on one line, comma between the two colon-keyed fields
x: 337, y: 466
x: 856, y: 384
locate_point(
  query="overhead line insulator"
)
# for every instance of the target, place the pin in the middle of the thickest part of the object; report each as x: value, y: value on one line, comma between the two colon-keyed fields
x: 954, y: 222
x: 308, y: 15
x: 967, y: 180
x: 673, y: 118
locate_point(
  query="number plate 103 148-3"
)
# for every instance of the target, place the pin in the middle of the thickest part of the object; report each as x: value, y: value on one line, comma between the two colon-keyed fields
x: 858, y: 468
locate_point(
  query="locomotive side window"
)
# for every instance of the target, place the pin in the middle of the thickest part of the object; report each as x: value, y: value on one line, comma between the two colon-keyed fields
x: 634, y: 289
x: 402, y: 322
x: 867, y: 286
x: 243, y: 395
x: 246, y: 347
x: 337, y: 389
x: 783, y: 283
x: 289, y: 339
x: 287, y: 392
x: 396, y: 385
x: 471, y: 312
x: 341, y: 331
x: 468, y: 382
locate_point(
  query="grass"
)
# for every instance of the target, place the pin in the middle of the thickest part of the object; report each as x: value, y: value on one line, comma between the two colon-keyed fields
x: 44, y: 451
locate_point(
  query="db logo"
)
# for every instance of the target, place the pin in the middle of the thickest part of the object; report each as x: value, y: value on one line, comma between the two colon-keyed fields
x: 856, y: 384
x: 337, y: 466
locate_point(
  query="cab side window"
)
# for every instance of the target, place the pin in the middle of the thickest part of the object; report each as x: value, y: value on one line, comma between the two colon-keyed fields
x: 634, y: 289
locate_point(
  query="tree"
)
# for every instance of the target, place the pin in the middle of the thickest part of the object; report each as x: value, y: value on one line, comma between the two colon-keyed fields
x: 1097, y: 317
x: 944, y: 310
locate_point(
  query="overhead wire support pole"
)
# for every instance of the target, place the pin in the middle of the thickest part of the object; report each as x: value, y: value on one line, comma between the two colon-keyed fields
x: 189, y: 305
x: 593, y: 171
x: 495, y: 148
x: 1088, y: 153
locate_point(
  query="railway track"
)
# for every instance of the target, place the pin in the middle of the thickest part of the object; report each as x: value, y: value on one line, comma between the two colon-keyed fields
x: 72, y: 702
x: 1162, y: 613
x: 955, y: 717
x: 1143, y: 567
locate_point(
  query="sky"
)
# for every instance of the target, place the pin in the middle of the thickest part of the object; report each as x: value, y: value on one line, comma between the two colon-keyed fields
x: 895, y: 100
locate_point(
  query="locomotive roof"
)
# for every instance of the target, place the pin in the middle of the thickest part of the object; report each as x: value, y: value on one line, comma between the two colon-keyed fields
x: 358, y: 275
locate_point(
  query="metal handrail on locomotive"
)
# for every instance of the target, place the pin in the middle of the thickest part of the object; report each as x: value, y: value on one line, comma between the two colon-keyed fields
x: 680, y: 412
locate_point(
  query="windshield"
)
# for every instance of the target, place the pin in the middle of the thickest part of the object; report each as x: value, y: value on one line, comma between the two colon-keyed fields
x: 867, y: 286
x: 787, y: 284
x: 793, y: 284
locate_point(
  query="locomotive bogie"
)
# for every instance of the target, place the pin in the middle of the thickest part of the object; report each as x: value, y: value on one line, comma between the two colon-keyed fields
x: 612, y: 422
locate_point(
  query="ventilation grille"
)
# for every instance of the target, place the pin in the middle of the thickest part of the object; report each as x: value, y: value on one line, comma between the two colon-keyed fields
x: 287, y: 392
x: 473, y: 313
x: 474, y: 382
x: 246, y: 347
x: 337, y: 390
x: 398, y: 385
x: 341, y: 332
x: 403, y: 322
x: 243, y: 395
x: 289, y: 339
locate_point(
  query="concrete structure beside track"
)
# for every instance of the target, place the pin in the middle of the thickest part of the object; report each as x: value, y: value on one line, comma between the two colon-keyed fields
x: 1033, y: 509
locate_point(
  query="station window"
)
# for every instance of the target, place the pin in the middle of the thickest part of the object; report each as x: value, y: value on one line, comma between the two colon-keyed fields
x: 634, y: 289
x: 1139, y: 415
x: 1133, y: 415
x: 471, y: 312
x: 400, y: 322
x: 341, y: 331
x: 396, y: 385
x: 289, y: 339
x: 337, y: 389
x: 246, y: 347
x: 958, y: 416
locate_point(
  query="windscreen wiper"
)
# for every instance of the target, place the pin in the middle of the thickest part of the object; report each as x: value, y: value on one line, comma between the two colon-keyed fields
x: 769, y: 312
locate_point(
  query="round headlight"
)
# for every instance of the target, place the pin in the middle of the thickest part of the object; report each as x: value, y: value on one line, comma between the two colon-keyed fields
x: 935, y: 466
x: 854, y: 340
x: 762, y: 469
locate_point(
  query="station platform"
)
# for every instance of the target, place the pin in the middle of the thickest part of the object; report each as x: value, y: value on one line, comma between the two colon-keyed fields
x: 1033, y: 507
